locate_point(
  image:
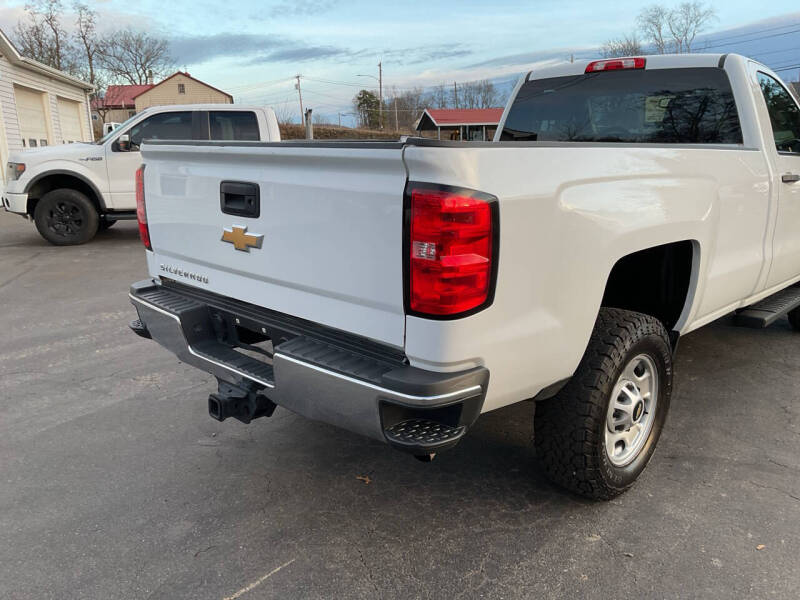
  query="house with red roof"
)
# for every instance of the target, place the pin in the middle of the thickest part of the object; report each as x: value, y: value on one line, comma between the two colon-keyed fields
x: 123, y: 101
x: 180, y: 88
x: 118, y: 103
x: 469, y: 124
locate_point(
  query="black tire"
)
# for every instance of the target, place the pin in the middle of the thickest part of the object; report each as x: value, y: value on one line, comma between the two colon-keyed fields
x: 570, y: 428
x: 66, y: 217
x: 794, y: 318
x: 106, y: 223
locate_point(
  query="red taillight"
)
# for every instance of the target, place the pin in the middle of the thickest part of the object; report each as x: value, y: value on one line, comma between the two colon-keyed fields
x: 141, y: 211
x: 451, y: 250
x: 615, y: 64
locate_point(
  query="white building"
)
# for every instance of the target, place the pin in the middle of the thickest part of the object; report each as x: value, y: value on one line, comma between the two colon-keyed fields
x: 39, y: 105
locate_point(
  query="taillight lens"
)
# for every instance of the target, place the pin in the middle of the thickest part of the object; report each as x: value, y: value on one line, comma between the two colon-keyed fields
x: 615, y: 64
x: 452, y: 253
x: 141, y: 211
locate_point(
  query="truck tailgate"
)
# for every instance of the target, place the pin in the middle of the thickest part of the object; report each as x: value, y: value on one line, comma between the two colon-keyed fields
x: 331, y: 218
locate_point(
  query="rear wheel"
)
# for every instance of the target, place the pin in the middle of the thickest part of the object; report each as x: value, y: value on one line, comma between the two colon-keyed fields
x: 66, y: 217
x: 794, y: 318
x: 596, y: 436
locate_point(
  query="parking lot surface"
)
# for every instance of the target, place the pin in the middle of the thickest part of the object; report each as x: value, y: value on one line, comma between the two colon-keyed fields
x: 115, y: 482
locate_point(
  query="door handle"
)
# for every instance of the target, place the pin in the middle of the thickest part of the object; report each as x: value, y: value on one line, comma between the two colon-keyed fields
x: 790, y: 178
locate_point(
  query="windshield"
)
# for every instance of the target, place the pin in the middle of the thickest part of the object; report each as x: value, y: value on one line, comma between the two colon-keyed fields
x: 115, y: 131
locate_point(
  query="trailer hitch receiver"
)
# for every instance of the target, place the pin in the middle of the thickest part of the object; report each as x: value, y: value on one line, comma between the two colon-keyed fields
x: 244, y: 401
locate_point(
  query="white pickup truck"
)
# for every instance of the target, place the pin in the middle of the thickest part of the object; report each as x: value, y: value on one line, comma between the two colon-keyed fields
x: 400, y: 289
x: 71, y: 191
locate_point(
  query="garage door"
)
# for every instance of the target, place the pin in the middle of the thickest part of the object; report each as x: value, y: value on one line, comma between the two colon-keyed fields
x: 32, y: 117
x: 69, y: 112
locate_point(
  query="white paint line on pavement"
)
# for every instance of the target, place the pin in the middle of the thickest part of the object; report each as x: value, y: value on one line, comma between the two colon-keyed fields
x: 258, y: 581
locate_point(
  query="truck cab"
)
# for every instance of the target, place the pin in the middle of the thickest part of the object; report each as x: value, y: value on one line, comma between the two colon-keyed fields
x: 73, y: 191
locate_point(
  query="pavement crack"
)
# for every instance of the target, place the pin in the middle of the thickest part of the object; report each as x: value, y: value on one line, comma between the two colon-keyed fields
x: 780, y: 464
x: 21, y: 273
x: 777, y: 489
x: 367, y: 569
x: 199, y: 552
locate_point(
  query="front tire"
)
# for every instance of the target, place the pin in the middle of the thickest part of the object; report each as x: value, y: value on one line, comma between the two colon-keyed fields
x: 596, y: 436
x: 66, y: 217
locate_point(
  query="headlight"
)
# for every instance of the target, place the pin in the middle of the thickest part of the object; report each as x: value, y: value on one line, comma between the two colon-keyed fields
x: 15, y: 170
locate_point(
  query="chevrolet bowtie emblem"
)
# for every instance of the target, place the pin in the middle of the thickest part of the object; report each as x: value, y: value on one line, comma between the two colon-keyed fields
x: 240, y: 239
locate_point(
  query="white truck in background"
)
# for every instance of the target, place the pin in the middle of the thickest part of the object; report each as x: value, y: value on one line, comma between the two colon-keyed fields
x: 400, y: 289
x: 72, y: 191
x: 109, y: 127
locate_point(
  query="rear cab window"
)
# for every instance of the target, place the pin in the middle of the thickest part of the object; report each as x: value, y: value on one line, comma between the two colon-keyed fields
x: 233, y: 125
x: 658, y: 106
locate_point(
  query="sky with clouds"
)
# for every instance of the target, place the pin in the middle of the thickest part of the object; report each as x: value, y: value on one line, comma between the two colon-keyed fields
x: 252, y: 49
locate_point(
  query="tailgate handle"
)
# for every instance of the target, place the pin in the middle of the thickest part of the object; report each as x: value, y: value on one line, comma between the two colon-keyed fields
x: 240, y: 198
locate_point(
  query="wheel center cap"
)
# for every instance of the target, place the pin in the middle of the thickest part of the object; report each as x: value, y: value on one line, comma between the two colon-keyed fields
x: 638, y: 410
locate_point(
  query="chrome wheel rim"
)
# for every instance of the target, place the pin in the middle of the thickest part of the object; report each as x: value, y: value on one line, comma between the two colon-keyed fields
x: 631, y: 411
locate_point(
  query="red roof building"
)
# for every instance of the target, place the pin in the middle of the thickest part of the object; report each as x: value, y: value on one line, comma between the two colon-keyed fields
x: 471, y: 124
x: 120, y: 96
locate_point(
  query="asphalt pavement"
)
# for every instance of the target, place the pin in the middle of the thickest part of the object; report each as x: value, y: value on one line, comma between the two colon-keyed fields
x: 115, y: 482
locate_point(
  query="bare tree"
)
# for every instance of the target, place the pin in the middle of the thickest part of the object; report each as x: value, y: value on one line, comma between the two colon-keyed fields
x: 628, y: 45
x: 284, y: 112
x: 88, y: 43
x: 404, y: 108
x: 51, y: 16
x: 100, y: 105
x: 652, y: 22
x: 440, y: 96
x: 133, y: 56
x: 674, y: 30
x: 487, y: 95
x: 41, y: 36
x: 477, y: 94
x: 687, y: 20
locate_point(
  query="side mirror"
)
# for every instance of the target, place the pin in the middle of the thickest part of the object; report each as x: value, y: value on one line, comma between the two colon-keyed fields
x: 124, y: 143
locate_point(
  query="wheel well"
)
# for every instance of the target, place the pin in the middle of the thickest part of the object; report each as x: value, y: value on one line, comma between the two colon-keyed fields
x: 61, y: 180
x: 654, y: 281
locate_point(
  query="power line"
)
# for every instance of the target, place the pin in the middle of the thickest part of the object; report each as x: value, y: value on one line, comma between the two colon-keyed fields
x: 787, y: 62
x: 258, y: 84
x: 775, y: 52
x: 726, y: 38
x: 316, y: 93
x: 755, y: 39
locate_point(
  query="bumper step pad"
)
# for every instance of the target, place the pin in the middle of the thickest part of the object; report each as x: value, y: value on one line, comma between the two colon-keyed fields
x: 252, y: 368
x: 139, y: 329
x: 423, y: 435
x: 770, y: 309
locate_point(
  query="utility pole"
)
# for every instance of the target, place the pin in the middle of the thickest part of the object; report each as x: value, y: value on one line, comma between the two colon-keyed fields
x: 396, y: 125
x: 455, y: 95
x: 572, y: 58
x: 380, y: 94
x: 300, y: 94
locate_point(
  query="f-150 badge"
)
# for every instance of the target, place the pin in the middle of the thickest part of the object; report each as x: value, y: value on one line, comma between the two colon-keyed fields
x: 241, y: 240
